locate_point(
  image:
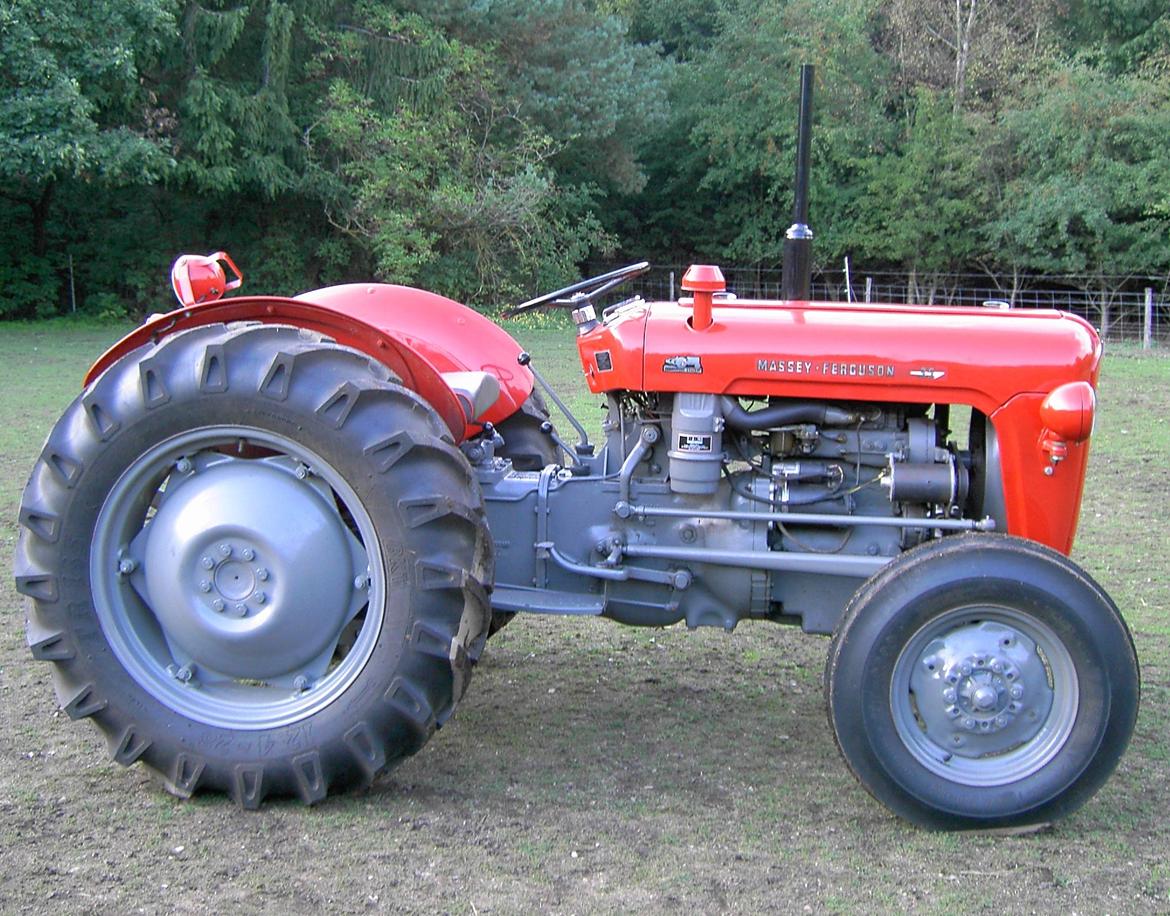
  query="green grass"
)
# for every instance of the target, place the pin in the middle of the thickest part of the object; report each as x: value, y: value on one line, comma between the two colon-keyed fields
x: 689, y: 772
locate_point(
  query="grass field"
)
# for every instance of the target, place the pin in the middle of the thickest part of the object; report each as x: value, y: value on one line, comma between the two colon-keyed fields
x: 592, y: 768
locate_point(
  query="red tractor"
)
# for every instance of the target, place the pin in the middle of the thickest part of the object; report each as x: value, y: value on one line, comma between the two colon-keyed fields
x: 267, y: 543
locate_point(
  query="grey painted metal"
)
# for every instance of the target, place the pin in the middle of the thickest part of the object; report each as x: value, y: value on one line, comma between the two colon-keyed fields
x: 812, y: 518
x: 984, y: 695
x: 994, y: 499
x: 246, y: 575
x: 543, y: 510
x: 679, y: 579
x: 860, y: 567
x: 477, y: 391
x: 646, y: 440
x: 262, y: 548
x: 546, y: 601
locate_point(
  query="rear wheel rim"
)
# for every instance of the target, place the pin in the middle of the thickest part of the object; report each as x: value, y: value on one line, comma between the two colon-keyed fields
x: 278, y: 662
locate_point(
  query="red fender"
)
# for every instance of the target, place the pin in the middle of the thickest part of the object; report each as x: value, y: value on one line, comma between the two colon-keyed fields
x: 416, y: 334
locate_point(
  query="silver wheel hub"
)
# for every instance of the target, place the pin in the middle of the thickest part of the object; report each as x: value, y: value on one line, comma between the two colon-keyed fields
x: 984, y: 695
x: 236, y: 576
x: 973, y: 685
x: 249, y: 568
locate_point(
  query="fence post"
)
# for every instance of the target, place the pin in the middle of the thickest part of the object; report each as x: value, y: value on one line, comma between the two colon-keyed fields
x: 671, y: 286
x: 1148, y: 325
x: 869, y: 289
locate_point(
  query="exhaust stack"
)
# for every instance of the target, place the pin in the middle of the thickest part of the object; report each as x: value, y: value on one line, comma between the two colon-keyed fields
x: 797, y: 276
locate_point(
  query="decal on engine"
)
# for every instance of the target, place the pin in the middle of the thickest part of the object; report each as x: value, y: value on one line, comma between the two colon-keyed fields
x: 690, y: 442
x: 927, y: 372
x: 805, y: 367
x: 691, y: 365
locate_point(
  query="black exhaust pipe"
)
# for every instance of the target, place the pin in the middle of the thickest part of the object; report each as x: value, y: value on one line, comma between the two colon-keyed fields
x: 797, y: 276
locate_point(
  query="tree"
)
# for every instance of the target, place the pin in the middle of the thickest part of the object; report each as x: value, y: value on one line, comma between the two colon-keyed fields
x: 927, y: 199
x: 967, y: 48
x: 1086, y: 171
x: 437, y: 170
x: 723, y: 173
x: 73, y: 108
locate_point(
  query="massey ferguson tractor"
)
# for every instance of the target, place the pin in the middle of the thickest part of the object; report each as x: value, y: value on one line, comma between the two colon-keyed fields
x: 265, y: 546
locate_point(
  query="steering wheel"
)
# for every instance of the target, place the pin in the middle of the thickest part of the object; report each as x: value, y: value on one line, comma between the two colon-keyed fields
x: 584, y: 291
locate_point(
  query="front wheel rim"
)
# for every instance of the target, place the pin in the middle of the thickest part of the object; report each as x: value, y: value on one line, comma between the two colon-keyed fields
x: 228, y: 643
x: 984, y: 695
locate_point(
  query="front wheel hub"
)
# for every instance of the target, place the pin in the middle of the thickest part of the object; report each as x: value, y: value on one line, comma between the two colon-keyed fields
x: 249, y: 568
x: 984, y: 684
x: 984, y: 696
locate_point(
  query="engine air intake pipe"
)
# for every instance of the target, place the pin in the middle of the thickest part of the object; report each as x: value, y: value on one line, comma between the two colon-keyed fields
x: 775, y: 415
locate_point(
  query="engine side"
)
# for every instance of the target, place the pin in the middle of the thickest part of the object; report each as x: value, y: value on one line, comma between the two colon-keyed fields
x: 702, y: 509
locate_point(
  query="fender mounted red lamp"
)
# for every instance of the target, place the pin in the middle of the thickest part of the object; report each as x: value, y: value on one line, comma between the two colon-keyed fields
x: 201, y: 278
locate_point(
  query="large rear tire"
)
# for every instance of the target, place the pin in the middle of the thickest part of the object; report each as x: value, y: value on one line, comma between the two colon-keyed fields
x: 256, y: 562
x: 982, y: 681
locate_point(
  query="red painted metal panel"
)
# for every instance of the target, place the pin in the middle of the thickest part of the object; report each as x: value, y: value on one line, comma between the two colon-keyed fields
x: 416, y: 334
x: 451, y: 336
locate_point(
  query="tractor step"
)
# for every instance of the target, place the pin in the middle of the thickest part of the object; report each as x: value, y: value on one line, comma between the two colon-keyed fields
x: 544, y: 601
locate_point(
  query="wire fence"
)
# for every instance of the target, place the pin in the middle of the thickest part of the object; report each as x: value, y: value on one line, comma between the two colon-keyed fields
x: 1121, y: 308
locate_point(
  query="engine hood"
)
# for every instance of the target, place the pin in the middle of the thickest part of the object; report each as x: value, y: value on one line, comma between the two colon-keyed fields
x: 841, y: 351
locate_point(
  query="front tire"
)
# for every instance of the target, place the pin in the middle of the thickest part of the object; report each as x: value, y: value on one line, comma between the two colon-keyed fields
x: 256, y: 563
x: 982, y: 681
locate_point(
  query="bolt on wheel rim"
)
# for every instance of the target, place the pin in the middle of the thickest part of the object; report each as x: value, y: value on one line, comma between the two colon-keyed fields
x: 984, y: 696
x: 237, y: 577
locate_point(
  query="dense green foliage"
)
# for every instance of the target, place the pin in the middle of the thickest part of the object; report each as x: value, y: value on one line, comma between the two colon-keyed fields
x: 486, y: 150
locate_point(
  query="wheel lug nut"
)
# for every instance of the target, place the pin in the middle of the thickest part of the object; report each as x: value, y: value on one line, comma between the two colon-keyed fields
x: 1017, y: 691
x: 260, y: 597
x: 218, y: 605
x: 262, y: 574
x: 207, y: 562
x: 241, y: 609
x: 300, y: 683
x: 950, y: 695
x: 204, y: 586
x: 127, y: 565
x: 248, y: 554
x: 360, y: 582
x: 969, y: 723
x: 225, y: 550
x: 184, y: 466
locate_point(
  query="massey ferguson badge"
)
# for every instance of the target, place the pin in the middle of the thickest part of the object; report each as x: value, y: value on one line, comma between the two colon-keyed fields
x: 826, y: 367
